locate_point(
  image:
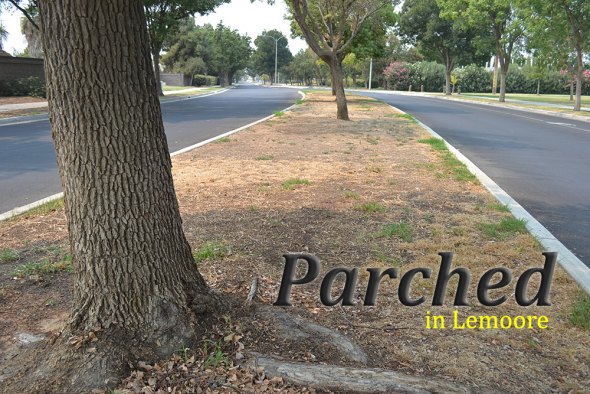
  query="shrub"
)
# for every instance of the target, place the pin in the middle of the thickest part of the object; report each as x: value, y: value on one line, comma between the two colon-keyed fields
x: 204, y: 80
x: 474, y: 79
x: 429, y: 74
x: 397, y: 75
x: 31, y: 86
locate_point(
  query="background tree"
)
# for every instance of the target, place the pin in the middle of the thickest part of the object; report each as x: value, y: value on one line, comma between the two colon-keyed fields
x: 3, y: 35
x: 137, y: 288
x: 33, y: 36
x: 559, y: 28
x: 190, y: 50
x: 263, y: 58
x: 231, y: 52
x: 500, y: 17
x: 164, y: 19
x: 329, y: 28
x: 439, y: 39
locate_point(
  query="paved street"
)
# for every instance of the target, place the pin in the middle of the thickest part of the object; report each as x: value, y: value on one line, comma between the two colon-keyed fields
x: 542, y: 161
x: 28, y: 170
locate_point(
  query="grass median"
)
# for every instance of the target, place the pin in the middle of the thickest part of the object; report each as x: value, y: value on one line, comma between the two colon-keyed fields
x: 377, y: 191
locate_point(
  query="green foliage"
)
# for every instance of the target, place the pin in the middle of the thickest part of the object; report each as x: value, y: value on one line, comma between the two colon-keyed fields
x: 210, y: 251
x: 580, y: 315
x: 473, y: 79
x: 435, y: 143
x: 372, y: 207
x: 8, y: 255
x: 206, y: 49
x: 44, y: 267
x: 30, y: 86
x: 204, y: 80
x: 290, y: 184
x: 215, y: 357
x: 431, y: 75
x: 507, y: 226
x: 263, y: 58
x: 400, y: 230
x: 222, y: 140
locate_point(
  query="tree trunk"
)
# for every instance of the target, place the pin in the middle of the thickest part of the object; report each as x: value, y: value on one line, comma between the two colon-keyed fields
x: 136, y: 284
x: 447, y: 82
x: 503, y: 74
x: 579, y: 76
x: 338, y: 88
x: 538, y: 87
x: 224, y: 79
x: 572, y: 90
x: 156, y: 61
x: 495, y: 77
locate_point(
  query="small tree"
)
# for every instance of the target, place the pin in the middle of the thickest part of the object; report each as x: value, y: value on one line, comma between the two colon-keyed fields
x: 330, y: 27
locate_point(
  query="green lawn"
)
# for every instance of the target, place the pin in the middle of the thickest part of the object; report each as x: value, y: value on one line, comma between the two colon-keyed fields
x: 169, y: 88
x: 543, y: 98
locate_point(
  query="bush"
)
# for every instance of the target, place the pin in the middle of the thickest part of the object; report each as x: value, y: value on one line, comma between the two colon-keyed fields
x: 397, y: 75
x: 31, y: 86
x: 474, y: 79
x: 429, y: 74
x: 204, y: 80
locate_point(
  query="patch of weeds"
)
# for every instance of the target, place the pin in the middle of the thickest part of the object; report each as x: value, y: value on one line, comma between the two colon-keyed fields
x: 265, y: 157
x: 215, y: 357
x: 351, y: 194
x: 435, y: 143
x: 44, y: 267
x: 299, y: 101
x: 222, y: 140
x: 253, y: 208
x: 496, y: 206
x: 290, y: 184
x: 44, y: 209
x: 400, y: 230
x: 406, y: 116
x: 8, y: 255
x: 372, y: 207
x: 451, y: 165
x: 373, y: 141
x: 279, y: 113
x: 580, y: 316
x: 506, y: 227
x: 210, y: 250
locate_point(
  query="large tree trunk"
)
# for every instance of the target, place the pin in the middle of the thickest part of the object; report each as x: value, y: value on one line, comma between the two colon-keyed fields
x: 338, y: 88
x: 136, y: 281
x: 447, y: 82
x: 224, y: 79
x: 156, y: 62
x: 504, y: 65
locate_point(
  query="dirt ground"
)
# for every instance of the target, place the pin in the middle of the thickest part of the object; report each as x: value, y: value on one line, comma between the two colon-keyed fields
x: 364, y: 193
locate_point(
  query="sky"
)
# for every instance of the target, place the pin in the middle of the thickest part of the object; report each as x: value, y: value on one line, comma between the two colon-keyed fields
x: 242, y: 15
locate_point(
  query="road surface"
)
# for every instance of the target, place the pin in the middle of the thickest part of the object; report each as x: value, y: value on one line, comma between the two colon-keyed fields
x: 542, y: 161
x: 28, y: 170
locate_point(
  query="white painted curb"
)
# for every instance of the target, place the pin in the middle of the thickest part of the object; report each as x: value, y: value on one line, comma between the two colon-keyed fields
x: 25, y: 208
x: 570, y: 263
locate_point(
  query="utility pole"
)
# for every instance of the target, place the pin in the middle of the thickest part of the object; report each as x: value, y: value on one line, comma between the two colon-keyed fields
x: 370, y: 73
x: 276, y: 55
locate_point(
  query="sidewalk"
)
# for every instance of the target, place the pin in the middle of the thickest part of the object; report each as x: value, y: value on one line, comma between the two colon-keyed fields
x: 537, y: 103
x: 22, y: 106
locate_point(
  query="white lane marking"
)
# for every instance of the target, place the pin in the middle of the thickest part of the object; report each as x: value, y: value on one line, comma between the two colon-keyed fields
x: 25, y: 208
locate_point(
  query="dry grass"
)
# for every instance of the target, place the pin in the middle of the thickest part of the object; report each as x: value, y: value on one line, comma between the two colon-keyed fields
x: 228, y: 195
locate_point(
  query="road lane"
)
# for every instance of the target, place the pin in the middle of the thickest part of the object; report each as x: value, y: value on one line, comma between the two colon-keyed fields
x: 28, y: 170
x: 542, y: 161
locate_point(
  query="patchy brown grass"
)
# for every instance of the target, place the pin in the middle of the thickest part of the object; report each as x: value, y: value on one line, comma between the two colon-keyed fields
x: 229, y: 196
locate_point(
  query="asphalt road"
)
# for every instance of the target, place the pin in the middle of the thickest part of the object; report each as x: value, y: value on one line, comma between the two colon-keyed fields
x: 542, y: 161
x: 28, y: 170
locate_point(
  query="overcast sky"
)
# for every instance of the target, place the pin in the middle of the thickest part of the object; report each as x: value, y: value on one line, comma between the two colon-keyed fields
x: 242, y: 15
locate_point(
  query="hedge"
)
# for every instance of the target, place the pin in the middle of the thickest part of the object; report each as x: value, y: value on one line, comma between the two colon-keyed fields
x: 31, y: 86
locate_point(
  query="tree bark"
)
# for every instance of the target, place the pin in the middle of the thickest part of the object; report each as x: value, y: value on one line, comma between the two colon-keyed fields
x: 338, y: 88
x: 135, y: 274
x: 447, y: 82
x: 579, y: 76
x: 156, y: 62
x: 503, y: 74
x: 572, y: 90
x: 224, y: 79
x: 538, y: 87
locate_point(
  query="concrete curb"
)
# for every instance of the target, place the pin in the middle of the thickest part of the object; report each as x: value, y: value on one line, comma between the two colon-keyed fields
x: 569, y: 262
x: 28, y: 207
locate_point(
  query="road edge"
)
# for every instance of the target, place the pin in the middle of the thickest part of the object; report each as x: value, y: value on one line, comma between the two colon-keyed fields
x: 578, y: 271
x: 23, y: 209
